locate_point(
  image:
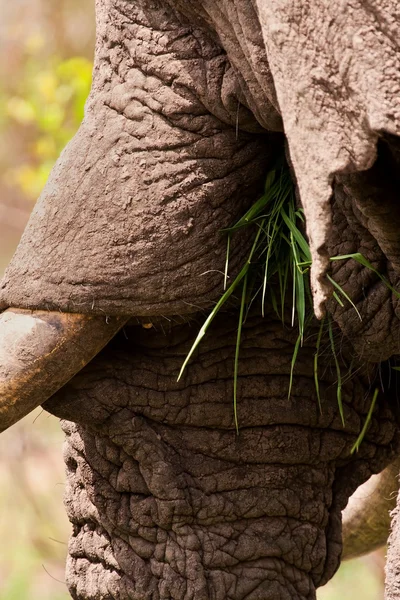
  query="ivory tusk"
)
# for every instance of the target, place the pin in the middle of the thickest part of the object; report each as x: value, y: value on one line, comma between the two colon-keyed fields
x: 40, y: 351
x: 366, y: 518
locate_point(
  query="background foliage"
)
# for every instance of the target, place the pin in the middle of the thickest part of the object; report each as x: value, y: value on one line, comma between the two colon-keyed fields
x: 45, y: 74
x: 44, y: 107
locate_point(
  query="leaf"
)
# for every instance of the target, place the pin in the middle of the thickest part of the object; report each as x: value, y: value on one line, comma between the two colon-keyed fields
x: 298, y: 282
x: 228, y: 247
x: 293, y: 292
x: 283, y: 282
x: 300, y: 303
x: 266, y: 268
x: 237, y: 350
x: 297, y: 235
x: 274, y: 303
x: 338, y: 300
x: 341, y: 291
x: 292, y: 364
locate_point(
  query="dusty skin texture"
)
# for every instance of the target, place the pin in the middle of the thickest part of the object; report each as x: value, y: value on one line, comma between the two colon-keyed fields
x: 130, y: 220
x: 167, y: 502
x: 188, y: 109
x: 366, y: 219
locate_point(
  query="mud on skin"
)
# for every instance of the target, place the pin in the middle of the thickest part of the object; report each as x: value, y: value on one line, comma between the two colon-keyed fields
x: 187, y: 112
x: 166, y: 501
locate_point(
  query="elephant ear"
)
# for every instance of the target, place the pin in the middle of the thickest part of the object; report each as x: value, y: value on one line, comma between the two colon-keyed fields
x: 336, y: 70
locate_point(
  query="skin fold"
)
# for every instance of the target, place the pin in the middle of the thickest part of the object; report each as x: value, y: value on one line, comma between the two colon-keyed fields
x: 190, y: 106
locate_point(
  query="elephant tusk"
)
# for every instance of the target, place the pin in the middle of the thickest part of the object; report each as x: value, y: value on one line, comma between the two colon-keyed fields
x: 366, y: 518
x: 40, y: 351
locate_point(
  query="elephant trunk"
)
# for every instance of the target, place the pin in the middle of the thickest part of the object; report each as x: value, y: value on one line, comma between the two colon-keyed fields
x: 156, y: 514
x: 168, y: 501
x: 40, y: 351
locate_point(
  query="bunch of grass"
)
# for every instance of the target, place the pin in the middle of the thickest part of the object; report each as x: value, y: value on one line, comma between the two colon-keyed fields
x: 280, y: 259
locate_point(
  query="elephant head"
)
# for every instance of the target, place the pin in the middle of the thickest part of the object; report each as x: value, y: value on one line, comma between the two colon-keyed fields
x: 190, y: 105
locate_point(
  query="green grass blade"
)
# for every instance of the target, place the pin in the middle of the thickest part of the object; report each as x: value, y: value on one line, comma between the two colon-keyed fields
x: 213, y: 314
x: 228, y: 248
x: 273, y: 249
x: 274, y: 303
x: 266, y: 268
x: 264, y: 289
x: 283, y: 284
x: 316, y: 356
x: 293, y: 363
x: 256, y: 240
x: 364, y: 430
x: 302, y: 242
x: 221, y: 302
x: 293, y: 291
x: 237, y: 350
x: 253, y: 212
x: 300, y: 303
x: 258, y: 207
x: 306, y: 264
x: 358, y: 257
x: 346, y: 296
x: 338, y: 372
x: 251, y: 294
x: 298, y: 281
x: 338, y: 300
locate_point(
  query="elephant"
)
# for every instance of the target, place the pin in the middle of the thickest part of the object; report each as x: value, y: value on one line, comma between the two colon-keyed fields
x: 191, y: 104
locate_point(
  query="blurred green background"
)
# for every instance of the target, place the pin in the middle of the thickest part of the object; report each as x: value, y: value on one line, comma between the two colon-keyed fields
x: 45, y: 74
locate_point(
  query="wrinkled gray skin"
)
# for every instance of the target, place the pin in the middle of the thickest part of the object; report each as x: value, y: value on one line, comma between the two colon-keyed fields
x: 188, y: 108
